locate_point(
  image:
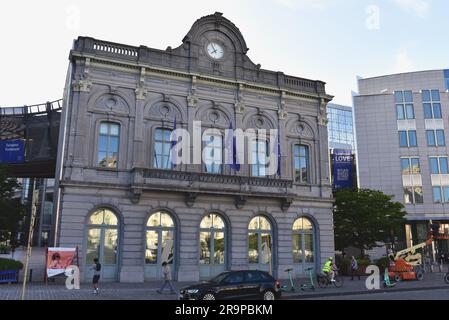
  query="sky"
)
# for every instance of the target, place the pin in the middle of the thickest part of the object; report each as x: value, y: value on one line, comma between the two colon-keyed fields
x: 330, y: 40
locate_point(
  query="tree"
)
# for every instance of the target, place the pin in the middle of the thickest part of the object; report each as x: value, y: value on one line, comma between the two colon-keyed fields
x: 11, y: 209
x: 364, y: 218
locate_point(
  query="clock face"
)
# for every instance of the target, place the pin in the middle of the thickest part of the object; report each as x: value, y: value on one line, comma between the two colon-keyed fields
x: 215, y: 50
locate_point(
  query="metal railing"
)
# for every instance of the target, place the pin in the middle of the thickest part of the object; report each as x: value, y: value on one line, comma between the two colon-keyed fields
x: 33, y: 109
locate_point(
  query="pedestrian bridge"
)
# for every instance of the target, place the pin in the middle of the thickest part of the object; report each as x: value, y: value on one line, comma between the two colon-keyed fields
x: 29, y: 139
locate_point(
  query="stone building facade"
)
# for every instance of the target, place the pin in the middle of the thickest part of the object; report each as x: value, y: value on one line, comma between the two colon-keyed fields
x: 119, y: 201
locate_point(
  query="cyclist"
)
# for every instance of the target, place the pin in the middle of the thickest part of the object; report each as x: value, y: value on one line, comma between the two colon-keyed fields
x: 328, y: 269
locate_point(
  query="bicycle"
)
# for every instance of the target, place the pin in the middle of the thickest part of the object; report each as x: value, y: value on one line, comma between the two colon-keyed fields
x: 324, y: 280
x: 446, y: 278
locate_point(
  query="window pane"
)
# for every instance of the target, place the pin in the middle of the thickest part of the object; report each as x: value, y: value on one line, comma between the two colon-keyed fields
x: 418, y: 195
x: 205, y: 247
x: 167, y: 246
x: 218, y: 222
x: 416, y: 167
x: 437, y: 195
x: 410, y: 111
x: 154, y: 220
x: 297, y: 248
x: 413, y: 142
x: 444, y: 169
x: 254, y: 224
x: 400, y: 111
x: 435, y: 95
x: 151, y: 247
x: 408, y: 195
x: 430, y: 138
x: 114, y: 129
x: 166, y: 220
x: 110, y: 218
x: 425, y: 95
x: 265, y: 248
x: 96, y: 217
x: 102, y: 160
x: 403, y: 139
x: 434, y: 166
x: 110, y: 246
x: 253, y: 252
x: 405, y: 165
x: 446, y: 194
x: 440, y: 138
x: 308, y: 248
x: 206, y: 223
x: 104, y: 128
x: 437, y: 111
x: 103, y: 143
x: 264, y: 224
x: 93, y: 245
x: 219, y: 248
x: 408, y: 96
x: 428, y: 111
x: 398, y: 97
x: 113, y: 144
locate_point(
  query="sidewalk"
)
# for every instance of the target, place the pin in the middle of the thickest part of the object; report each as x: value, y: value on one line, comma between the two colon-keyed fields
x: 147, y: 291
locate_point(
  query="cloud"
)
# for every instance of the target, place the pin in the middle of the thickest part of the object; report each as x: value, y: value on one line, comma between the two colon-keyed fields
x: 417, y: 7
x: 403, y: 62
x: 305, y: 4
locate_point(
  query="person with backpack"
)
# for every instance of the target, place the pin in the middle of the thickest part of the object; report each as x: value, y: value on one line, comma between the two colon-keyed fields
x: 96, y: 268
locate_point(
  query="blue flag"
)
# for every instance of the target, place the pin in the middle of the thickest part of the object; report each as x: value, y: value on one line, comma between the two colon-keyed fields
x: 279, y: 156
x: 231, y: 144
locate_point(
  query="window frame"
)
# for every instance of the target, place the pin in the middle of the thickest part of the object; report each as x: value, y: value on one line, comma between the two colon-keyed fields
x: 164, y: 142
x: 108, y: 137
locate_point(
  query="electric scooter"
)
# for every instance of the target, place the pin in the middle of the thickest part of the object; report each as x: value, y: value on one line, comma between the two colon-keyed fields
x: 387, y: 283
x: 310, y: 286
x: 292, y: 285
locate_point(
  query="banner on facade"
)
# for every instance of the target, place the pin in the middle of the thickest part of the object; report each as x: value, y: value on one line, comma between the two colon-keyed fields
x: 12, y: 151
x: 343, y: 167
x: 58, y: 259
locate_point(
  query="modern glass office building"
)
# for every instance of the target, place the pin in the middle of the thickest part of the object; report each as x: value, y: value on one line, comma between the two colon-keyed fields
x: 340, y: 127
x: 402, y: 146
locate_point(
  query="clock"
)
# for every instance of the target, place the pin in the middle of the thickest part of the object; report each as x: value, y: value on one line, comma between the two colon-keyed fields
x: 215, y: 51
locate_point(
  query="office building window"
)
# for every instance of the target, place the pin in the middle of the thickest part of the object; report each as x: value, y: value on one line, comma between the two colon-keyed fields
x: 408, y: 139
x: 404, y: 105
x: 108, y: 143
x: 435, y: 138
x: 432, y: 104
x: 213, y: 153
x: 439, y: 165
x: 410, y: 166
x: 446, y: 78
x: 441, y: 194
x: 301, y: 154
x: 162, y: 146
x: 413, y: 195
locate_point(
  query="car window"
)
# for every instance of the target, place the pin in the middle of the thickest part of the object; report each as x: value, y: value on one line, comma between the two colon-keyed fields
x: 235, y: 278
x: 254, y: 276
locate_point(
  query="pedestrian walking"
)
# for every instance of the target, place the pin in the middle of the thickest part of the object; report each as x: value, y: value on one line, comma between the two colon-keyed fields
x: 354, y: 268
x: 96, y: 268
x: 167, y: 279
x: 13, y: 250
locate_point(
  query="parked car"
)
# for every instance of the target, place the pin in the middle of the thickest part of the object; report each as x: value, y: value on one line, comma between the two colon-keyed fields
x: 235, y: 285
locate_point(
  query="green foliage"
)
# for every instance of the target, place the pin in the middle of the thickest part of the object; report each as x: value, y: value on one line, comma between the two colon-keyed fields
x: 4, y: 249
x: 363, y: 218
x: 382, y: 263
x: 9, y: 264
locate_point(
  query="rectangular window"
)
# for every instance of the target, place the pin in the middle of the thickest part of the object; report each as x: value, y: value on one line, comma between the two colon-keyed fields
x: 446, y: 194
x: 439, y: 165
x: 213, y: 153
x: 403, y: 141
x: 108, y: 145
x: 440, y: 138
x: 437, y: 111
x: 426, y: 96
x: 446, y: 78
x: 418, y: 195
x: 408, y: 195
x: 434, y: 167
x: 405, y: 165
x: 444, y: 168
x: 428, y: 114
x: 416, y: 167
x: 410, y: 166
x: 301, y: 159
x: 431, y: 138
x: 260, y: 157
x: 408, y: 96
x: 435, y: 95
x: 398, y: 96
x: 400, y: 111
x: 162, y: 146
x: 410, y: 111
x: 431, y: 103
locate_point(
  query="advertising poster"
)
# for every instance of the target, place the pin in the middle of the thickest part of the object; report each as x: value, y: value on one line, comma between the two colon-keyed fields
x: 343, y: 175
x: 58, y: 259
x: 12, y: 151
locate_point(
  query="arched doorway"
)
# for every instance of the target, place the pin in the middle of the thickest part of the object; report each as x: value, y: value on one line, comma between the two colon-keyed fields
x: 160, y: 244
x: 212, y: 246
x: 260, y: 244
x: 303, y: 245
x: 103, y: 243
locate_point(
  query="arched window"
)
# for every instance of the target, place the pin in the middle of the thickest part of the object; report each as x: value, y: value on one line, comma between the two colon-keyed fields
x: 102, y: 237
x: 108, y: 145
x: 303, y: 241
x: 212, y: 240
x: 260, y: 242
x: 213, y: 153
x: 160, y: 237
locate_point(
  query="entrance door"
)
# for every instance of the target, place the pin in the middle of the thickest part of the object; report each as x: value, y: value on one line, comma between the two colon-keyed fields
x: 260, y: 245
x: 303, y: 240
x: 102, y: 243
x: 212, y: 246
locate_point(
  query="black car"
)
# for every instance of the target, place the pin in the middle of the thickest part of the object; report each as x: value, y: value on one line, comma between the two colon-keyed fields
x: 235, y: 285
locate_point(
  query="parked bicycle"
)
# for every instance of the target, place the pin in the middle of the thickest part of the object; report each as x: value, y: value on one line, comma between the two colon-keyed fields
x: 324, y: 280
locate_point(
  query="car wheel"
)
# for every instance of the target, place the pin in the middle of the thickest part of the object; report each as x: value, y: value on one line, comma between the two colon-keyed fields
x: 269, y: 295
x: 209, y: 296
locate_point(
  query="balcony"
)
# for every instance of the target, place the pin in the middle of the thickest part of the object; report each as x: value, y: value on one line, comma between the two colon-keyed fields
x: 195, y: 183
